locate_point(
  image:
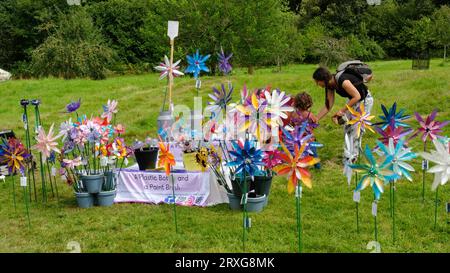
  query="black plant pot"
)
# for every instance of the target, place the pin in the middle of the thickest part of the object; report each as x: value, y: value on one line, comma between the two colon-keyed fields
x: 146, y: 158
x: 262, y: 186
x: 237, y: 185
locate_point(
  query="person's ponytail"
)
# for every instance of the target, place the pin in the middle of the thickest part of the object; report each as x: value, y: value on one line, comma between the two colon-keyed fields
x: 323, y: 74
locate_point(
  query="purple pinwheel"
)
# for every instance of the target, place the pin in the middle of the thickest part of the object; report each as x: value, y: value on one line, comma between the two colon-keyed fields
x: 220, y: 99
x: 196, y: 64
x: 391, y: 118
x: 396, y: 134
x: 224, y: 62
x: 300, y: 136
x: 73, y: 106
x: 246, y: 158
x: 429, y: 128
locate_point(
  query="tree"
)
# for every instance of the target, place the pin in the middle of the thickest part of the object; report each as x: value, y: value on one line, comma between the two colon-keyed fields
x: 418, y: 35
x: 441, y: 28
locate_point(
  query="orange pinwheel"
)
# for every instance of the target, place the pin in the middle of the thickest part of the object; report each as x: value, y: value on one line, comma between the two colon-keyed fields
x: 360, y: 119
x: 296, y: 166
x: 166, y: 158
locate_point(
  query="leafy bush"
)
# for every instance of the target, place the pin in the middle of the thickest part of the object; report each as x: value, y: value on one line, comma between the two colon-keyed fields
x: 75, y: 49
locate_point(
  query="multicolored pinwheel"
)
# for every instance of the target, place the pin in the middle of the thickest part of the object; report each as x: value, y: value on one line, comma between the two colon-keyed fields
x: 272, y: 158
x: 391, y: 118
x: 295, y: 166
x: 278, y: 106
x: 396, y: 157
x: 246, y: 157
x: 373, y: 174
x: 361, y: 119
x: 14, y: 155
x: 396, y: 134
x: 257, y: 120
x: 440, y: 156
x: 224, y: 62
x: 221, y: 98
x: 109, y: 110
x: 430, y: 128
x: 166, y: 158
x: 298, y: 137
x: 196, y: 64
x: 165, y: 68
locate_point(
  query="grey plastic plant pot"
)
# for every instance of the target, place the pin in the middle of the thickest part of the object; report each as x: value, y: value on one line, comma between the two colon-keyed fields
x: 84, y: 199
x: 106, y: 198
x: 93, y: 183
x: 256, y: 204
x: 234, y: 201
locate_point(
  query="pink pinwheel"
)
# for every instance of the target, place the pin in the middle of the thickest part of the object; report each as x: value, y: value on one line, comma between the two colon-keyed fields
x: 72, y: 163
x: 429, y: 128
x: 395, y: 134
x: 110, y: 109
x: 46, y: 143
x: 165, y: 68
x: 272, y: 158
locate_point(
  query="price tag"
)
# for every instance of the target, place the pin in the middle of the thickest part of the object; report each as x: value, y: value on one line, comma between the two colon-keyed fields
x: 248, y: 222
x: 53, y: 171
x: 374, y: 208
x: 198, y: 84
x: 424, y: 164
x: 298, y: 191
x: 23, y: 181
x: 357, y: 196
x: 172, y: 29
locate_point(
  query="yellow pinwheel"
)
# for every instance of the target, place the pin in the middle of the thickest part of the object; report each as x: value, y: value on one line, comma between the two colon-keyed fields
x: 257, y: 119
x: 361, y: 119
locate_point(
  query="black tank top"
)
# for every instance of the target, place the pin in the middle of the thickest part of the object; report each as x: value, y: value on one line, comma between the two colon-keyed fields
x: 357, y: 82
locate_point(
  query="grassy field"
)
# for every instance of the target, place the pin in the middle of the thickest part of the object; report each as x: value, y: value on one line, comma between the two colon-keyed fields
x: 328, y: 210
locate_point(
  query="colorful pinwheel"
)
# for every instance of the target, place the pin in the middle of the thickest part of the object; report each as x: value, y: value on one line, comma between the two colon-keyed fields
x: 46, y: 142
x: 298, y: 137
x: 109, y: 110
x: 73, y: 106
x: 165, y: 68
x: 257, y: 120
x: 440, y: 156
x: 224, y: 62
x: 391, y: 118
x: 246, y: 158
x: 396, y: 156
x: 272, y: 158
x: 196, y: 64
x: 361, y: 119
x: 430, y: 128
x: 220, y: 99
x: 395, y: 134
x: 278, y: 106
x: 295, y: 166
x: 14, y: 155
x: 166, y: 158
x: 373, y: 174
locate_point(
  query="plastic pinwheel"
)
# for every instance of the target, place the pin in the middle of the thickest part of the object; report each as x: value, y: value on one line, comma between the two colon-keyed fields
x: 350, y: 156
x: 396, y: 156
x: 14, y: 155
x: 361, y: 119
x: 73, y: 106
x: 196, y: 64
x: 300, y: 136
x: 220, y: 99
x: 391, y: 118
x: 277, y: 106
x: 246, y: 158
x: 272, y: 158
x: 440, y: 156
x: 109, y: 110
x: 395, y: 134
x: 295, y: 166
x: 430, y: 128
x: 257, y: 120
x: 224, y: 62
x: 165, y: 68
x: 46, y: 142
x: 373, y: 174
x: 166, y: 158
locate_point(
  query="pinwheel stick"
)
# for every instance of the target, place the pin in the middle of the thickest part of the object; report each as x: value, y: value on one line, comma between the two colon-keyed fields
x: 423, y: 174
x: 172, y: 43
x: 393, y: 212
x: 436, y: 201
x: 174, y: 203
x: 37, y: 124
x: 299, y: 220
x: 357, y: 204
x: 28, y: 143
x: 26, y: 205
x: 51, y: 181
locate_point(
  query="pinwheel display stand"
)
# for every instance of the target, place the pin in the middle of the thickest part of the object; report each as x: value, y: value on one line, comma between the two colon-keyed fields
x: 193, y: 188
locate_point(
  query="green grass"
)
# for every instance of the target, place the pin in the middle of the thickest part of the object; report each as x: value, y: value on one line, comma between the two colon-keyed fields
x: 328, y: 212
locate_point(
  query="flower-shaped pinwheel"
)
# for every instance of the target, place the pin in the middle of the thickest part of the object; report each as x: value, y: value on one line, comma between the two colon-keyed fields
x: 46, y: 142
x: 396, y: 156
x: 277, y: 106
x: 373, y: 174
x: 109, y: 110
x: 13, y: 153
x: 391, y: 118
x: 350, y: 157
x: 272, y: 158
x: 395, y: 134
x: 166, y: 158
x: 298, y: 137
x: 220, y: 99
x: 196, y: 64
x: 296, y: 166
x: 440, y: 156
x: 257, y: 120
x: 246, y: 158
x: 361, y: 119
x: 429, y: 128
x: 165, y: 68
x: 224, y: 62
x: 73, y: 106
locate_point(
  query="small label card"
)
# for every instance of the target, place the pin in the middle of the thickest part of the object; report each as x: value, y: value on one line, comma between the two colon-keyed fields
x: 424, y: 164
x: 23, y: 181
x: 248, y: 222
x: 298, y: 191
x: 198, y: 84
x: 53, y: 171
x: 357, y: 196
x: 374, y: 208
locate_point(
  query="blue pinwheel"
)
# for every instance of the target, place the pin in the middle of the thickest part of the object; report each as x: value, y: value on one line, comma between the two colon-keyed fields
x: 391, y: 118
x: 373, y: 174
x: 246, y: 158
x: 220, y: 99
x: 196, y: 64
x: 301, y: 136
x: 396, y: 156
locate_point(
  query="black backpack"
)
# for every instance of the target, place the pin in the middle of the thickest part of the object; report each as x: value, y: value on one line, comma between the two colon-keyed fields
x: 357, y: 68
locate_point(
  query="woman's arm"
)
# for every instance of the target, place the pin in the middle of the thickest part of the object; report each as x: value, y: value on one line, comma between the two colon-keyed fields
x: 325, y: 110
x: 353, y: 92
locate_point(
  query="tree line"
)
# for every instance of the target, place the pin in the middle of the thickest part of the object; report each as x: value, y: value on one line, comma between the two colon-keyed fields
x: 50, y: 37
